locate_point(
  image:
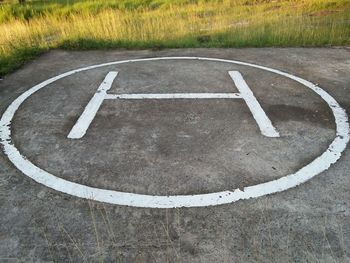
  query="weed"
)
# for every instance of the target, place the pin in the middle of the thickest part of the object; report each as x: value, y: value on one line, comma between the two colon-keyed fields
x: 30, y: 29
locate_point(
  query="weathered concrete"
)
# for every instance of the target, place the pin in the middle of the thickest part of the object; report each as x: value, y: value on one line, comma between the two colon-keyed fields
x: 177, y: 147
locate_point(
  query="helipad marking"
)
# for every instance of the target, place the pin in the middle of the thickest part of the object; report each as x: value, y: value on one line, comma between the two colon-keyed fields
x: 259, y: 114
x: 80, y: 127
x: 83, y: 123
x: 172, y: 96
x: 318, y: 165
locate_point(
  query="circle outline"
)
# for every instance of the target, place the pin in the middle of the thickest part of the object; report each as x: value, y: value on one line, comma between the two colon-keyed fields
x: 315, y: 167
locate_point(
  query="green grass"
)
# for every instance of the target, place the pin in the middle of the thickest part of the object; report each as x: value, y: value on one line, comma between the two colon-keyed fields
x: 18, y: 57
x: 30, y: 29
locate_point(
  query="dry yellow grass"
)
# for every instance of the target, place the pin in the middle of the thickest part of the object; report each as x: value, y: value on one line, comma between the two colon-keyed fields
x: 208, y: 24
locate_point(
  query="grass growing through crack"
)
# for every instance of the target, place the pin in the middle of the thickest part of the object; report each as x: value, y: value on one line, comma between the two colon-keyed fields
x: 27, y: 30
x: 164, y: 236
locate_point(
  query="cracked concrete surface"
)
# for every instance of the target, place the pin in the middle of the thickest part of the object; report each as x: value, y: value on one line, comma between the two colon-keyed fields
x: 177, y: 147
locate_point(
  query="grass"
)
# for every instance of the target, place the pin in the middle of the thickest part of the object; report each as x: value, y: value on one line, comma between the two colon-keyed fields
x: 265, y: 236
x: 30, y: 29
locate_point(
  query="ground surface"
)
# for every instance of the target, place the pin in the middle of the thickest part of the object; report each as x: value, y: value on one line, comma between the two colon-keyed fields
x: 176, y: 147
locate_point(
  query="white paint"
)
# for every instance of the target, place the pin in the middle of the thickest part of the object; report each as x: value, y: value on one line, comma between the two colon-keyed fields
x: 318, y: 165
x: 259, y: 114
x: 89, y: 113
x: 83, y: 123
x: 172, y: 96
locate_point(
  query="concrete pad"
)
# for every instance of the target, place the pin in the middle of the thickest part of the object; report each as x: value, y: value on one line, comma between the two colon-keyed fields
x: 177, y: 147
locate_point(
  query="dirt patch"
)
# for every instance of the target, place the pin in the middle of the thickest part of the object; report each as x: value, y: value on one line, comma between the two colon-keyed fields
x: 320, y: 117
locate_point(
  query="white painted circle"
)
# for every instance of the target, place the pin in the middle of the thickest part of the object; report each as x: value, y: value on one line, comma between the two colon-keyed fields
x: 318, y: 165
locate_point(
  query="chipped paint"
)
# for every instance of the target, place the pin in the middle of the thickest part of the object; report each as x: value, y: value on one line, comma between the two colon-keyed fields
x: 315, y: 167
